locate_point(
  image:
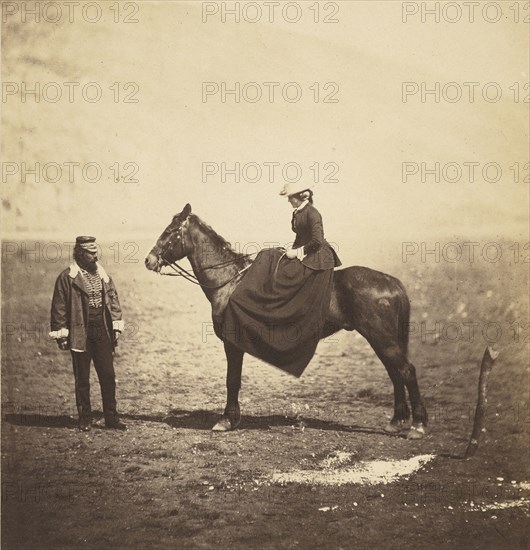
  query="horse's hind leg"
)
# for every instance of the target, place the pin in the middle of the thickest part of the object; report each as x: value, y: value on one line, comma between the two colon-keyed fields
x: 419, y: 412
x: 401, y: 408
x: 232, y: 415
x: 396, y: 362
x: 402, y: 373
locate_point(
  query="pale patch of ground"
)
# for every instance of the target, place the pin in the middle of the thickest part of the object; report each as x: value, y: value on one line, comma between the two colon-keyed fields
x: 335, y: 459
x: 501, y: 505
x: 365, y: 473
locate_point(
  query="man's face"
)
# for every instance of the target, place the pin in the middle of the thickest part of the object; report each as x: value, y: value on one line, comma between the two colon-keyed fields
x: 88, y: 260
x: 90, y: 257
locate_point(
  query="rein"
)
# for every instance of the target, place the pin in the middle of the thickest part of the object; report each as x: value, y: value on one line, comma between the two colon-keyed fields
x: 181, y: 272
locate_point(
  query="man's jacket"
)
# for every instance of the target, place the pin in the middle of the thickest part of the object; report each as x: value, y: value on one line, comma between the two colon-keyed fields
x: 307, y: 224
x: 69, y: 313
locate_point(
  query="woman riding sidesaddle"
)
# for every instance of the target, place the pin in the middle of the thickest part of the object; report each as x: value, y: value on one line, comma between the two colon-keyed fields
x: 309, y: 247
x: 277, y: 312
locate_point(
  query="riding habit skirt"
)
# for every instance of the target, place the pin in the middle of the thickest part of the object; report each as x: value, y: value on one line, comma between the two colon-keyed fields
x: 277, y: 312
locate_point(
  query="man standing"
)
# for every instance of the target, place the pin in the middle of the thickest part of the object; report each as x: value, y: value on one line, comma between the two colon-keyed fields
x: 86, y: 318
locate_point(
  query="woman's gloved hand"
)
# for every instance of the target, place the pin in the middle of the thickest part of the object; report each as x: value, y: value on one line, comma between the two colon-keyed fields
x: 291, y: 253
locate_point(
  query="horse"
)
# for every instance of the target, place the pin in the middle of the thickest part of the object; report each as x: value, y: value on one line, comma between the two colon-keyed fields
x: 373, y: 303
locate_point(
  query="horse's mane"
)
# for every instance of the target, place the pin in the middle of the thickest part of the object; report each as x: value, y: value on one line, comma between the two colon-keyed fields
x: 219, y: 242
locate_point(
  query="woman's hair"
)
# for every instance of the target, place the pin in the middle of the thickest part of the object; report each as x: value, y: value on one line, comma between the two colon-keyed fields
x: 306, y: 195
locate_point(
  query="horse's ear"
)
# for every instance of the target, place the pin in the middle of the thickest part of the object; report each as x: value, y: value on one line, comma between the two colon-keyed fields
x: 187, y: 211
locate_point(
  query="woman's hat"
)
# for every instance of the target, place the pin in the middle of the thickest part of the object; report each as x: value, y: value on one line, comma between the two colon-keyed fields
x: 294, y: 188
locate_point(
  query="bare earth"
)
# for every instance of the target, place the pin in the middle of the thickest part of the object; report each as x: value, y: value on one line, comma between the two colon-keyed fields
x: 169, y: 482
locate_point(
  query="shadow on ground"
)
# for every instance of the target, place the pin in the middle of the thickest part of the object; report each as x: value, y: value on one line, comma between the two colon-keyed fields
x: 199, y: 420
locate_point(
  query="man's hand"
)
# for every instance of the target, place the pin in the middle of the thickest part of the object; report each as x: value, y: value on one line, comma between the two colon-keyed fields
x: 62, y: 343
x: 116, y: 336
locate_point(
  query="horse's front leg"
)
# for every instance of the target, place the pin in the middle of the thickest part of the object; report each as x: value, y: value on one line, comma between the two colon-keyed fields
x: 232, y: 415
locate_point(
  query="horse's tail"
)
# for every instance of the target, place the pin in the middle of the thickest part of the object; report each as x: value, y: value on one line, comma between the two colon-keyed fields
x: 403, y: 318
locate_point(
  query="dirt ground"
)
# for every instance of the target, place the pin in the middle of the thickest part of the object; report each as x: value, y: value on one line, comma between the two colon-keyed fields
x: 170, y: 482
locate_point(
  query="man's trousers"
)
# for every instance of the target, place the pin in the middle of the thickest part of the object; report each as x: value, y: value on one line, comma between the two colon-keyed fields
x: 99, y: 350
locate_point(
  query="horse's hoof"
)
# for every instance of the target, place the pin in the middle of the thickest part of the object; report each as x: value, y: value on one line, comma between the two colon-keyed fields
x: 416, y: 432
x: 224, y: 425
x: 227, y: 424
x: 395, y: 427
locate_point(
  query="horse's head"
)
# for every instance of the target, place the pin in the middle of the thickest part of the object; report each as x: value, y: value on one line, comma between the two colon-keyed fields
x: 173, y: 244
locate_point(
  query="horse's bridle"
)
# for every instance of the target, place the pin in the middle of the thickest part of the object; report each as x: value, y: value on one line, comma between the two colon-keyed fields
x: 167, y: 246
x: 182, y: 272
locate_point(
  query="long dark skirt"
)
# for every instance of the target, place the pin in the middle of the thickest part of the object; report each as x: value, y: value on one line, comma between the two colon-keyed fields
x: 277, y: 311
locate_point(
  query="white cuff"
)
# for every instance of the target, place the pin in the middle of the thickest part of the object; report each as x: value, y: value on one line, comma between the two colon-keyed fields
x: 300, y: 253
x: 61, y: 333
x: 118, y: 325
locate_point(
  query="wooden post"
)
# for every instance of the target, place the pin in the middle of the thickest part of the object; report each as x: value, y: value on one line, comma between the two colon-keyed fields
x: 488, y: 359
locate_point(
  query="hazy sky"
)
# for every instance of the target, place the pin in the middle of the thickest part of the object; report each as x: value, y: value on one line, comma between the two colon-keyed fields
x: 172, y: 130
